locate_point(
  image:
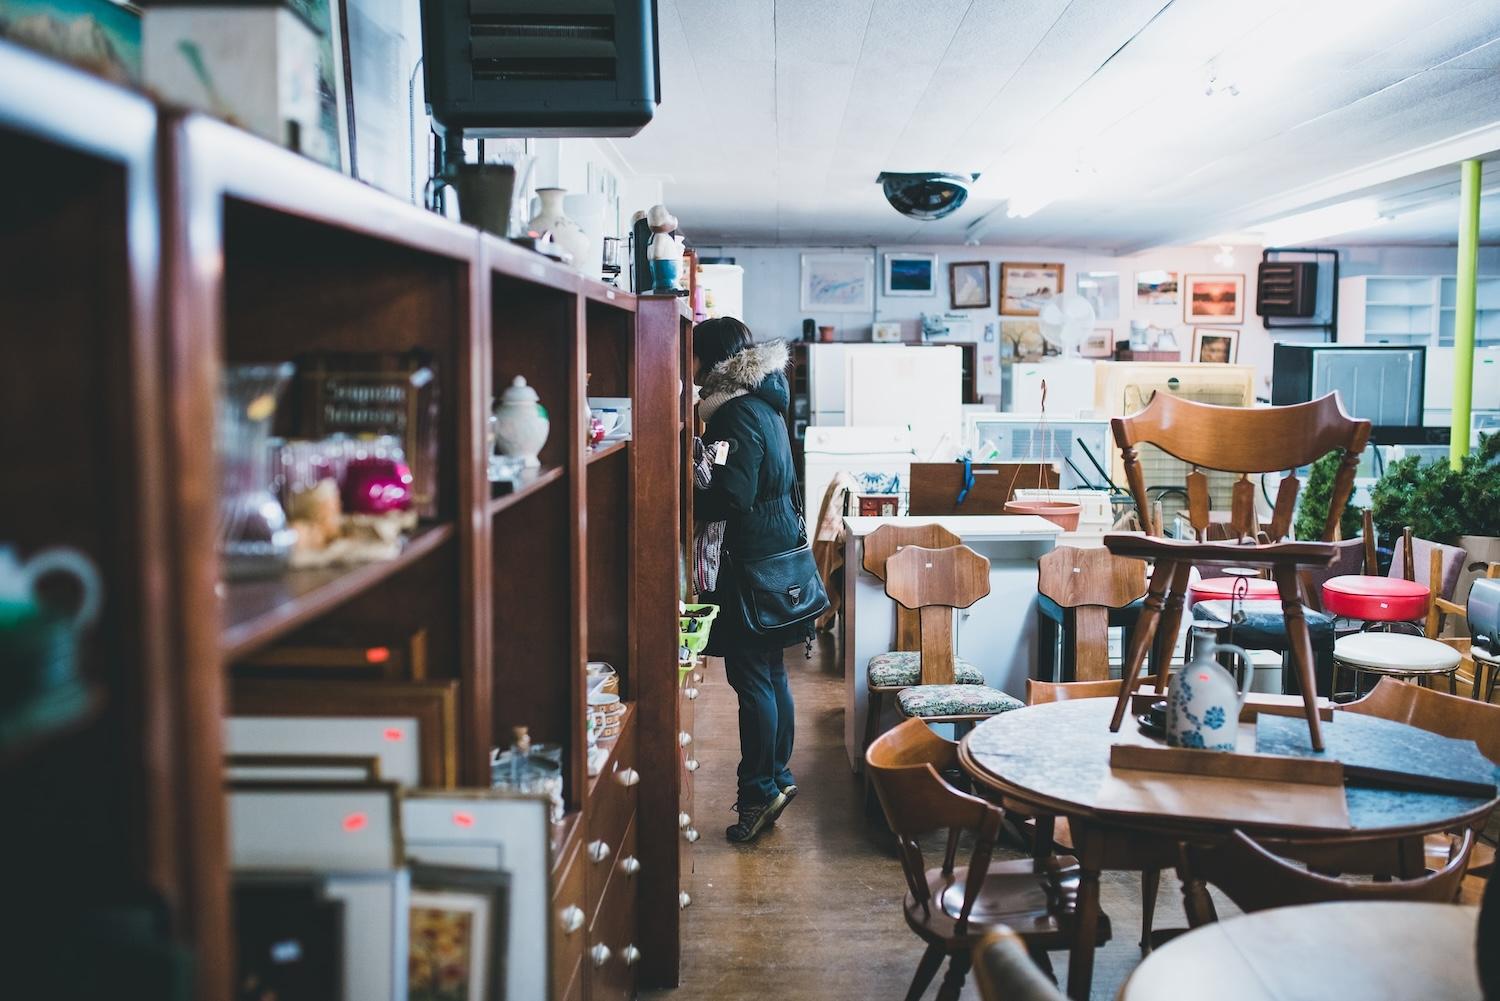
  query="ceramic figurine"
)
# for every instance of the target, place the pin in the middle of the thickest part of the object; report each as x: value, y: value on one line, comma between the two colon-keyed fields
x: 566, y: 234
x: 1203, y: 701
x: 521, y: 423
x: 666, y: 251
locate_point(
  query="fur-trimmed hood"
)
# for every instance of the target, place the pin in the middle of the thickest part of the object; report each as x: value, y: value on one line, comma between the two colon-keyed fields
x: 759, y: 369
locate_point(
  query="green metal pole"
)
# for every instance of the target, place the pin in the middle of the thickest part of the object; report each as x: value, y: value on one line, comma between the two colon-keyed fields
x: 1463, y: 314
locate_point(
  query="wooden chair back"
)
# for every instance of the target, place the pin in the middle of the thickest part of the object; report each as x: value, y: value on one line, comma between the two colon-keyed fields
x: 1256, y: 880
x: 888, y: 540
x: 1038, y: 692
x: 1005, y: 970
x: 1090, y: 582
x: 1242, y: 440
x: 933, y: 582
x: 1435, y: 712
x: 904, y: 765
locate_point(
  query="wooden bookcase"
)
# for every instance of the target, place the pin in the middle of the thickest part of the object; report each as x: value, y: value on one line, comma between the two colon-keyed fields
x: 154, y: 248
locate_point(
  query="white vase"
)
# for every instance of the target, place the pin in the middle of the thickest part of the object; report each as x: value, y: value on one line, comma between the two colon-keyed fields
x: 521, y: 423
x: 588, y: 212
x: 566, y: 233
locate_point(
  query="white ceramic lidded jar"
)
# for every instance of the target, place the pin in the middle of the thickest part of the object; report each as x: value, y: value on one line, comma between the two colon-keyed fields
x: 567, y: 234
x: 521, y: 423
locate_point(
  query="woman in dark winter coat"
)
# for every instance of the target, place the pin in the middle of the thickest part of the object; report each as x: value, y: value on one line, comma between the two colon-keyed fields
x: 743, y: 401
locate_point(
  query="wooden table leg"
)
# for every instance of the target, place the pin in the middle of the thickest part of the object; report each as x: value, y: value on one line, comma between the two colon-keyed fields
x: 1301, y: 644
x: 1088, y: 847
x: 1140, y: 639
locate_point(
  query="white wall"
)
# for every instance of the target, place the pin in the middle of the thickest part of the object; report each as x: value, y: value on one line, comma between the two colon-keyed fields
x: 773, y: 289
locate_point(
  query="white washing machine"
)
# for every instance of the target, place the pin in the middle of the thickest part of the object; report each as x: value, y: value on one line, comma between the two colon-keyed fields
x: 828, y: 451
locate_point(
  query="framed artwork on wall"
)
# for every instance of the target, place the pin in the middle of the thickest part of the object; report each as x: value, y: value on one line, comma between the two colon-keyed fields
x: 1215, y: 345
x: 838, y: 283
x: 1026, y: 287
x: 969, y: 284
x: 886, y: 332
x: 1102, y: 290
x: 911, y: 274
x: 1098, y: 343
x: 1156, y: 288
x: 1214, y: 299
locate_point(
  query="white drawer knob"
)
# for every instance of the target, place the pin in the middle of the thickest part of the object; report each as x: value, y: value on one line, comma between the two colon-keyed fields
x: 684, y: 738
x: 690, y: 694
x: 630, y: 865
x: 599, y: 954
x: 627, y: 777
x: 683, y: 900
x: 572, y: 918
x: 631, y: 955
x: 697, y: 677
x: 598, y: 851
x: 684, y: 821
x: 691, y: 835
x: 691, y: 764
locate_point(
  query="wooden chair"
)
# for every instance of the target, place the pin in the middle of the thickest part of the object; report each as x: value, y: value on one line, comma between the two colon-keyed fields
x: 1091, y: 587
x: 1005, y: 971
x: 888, y: 673
x: 954, y: 906
x: 934, y: 583
x: 1257, y: 880
x: 1244, y: 441
x: 1045, y: 833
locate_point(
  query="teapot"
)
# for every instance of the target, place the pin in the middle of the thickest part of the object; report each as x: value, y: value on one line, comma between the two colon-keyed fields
x: 40, y: 687
x: 1203, y: 700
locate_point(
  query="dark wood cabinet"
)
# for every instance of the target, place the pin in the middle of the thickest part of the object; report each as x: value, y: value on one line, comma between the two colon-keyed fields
x: 168, y: 246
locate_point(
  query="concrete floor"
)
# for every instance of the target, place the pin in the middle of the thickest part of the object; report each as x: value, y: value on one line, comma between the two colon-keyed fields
x: 812, y: 910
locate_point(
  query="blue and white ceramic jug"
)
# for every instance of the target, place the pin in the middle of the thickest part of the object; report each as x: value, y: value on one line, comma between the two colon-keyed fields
x: 1203, y: 702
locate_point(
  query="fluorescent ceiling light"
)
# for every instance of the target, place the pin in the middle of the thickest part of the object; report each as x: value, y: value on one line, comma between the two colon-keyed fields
x: 1333, y: 220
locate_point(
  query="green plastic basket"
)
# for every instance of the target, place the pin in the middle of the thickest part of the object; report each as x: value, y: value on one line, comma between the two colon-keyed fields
x: 698, y: 638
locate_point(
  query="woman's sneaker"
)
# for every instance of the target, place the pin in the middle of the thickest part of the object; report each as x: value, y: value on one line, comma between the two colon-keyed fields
x: 754, y: 819
x: 788, y: 793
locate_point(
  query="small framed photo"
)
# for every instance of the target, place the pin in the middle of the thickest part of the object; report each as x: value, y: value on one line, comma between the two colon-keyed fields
x: 1214, y: 299
x: 458, y: 934
x: 1215, y: 345
x: 886, y: 332
x: 1025, y: 288
x: 969, y: 284
x: 321, y: 705
x: 838, y: 283
x: 496, y: 832
x: 1098, y: 343
x: 911, y: 274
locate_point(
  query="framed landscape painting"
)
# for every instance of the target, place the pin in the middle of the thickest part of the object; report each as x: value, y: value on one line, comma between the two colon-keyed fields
x: 1025, y: 288
x: 969, y: 284
x: 838, y: 282
x: 910, y: 274
x: 1214, y: 299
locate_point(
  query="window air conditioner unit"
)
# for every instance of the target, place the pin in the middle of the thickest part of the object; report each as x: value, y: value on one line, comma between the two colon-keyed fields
x: 1124, y: 388
x: 997, y: 437
x: 540, y: 67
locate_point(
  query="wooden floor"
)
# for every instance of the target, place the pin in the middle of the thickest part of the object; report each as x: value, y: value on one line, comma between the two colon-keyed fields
x: 812, y: 910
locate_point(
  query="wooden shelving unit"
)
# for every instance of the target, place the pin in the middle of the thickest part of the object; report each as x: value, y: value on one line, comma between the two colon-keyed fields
x: 172, y: 246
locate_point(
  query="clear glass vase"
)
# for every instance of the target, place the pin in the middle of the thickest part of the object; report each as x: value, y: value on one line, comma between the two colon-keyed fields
x: 254, y: 538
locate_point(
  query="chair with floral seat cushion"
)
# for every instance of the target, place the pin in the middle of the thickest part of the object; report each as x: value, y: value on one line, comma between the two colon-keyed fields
x: 888, y: 673
x: 934, y: 583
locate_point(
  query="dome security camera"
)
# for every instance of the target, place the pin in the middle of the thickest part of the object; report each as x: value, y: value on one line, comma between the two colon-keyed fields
x: 928, y: 195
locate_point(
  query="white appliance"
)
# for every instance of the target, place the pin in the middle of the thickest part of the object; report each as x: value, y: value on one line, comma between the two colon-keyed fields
x: 1070, y: 387
x: 920, y: 388
x: 1122, y: 388
x: 1033, y: 438
x: 830, y: 450
x: 1437, y: 395
x: 723, y: 289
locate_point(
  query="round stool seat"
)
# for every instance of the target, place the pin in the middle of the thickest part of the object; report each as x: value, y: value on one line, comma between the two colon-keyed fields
x: 1395, y: 653
x: 1222, y: 589
x: 1375, y: 599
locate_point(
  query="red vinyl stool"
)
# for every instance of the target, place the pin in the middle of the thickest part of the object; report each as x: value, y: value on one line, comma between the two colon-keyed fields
x: 1375, y: 599
x: 1222, y: 589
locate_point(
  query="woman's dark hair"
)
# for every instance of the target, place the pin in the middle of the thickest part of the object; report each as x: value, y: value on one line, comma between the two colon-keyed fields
x: 718, y: 339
